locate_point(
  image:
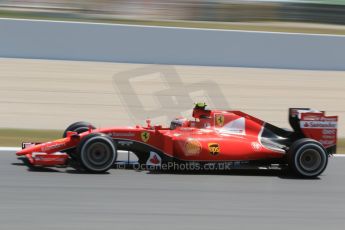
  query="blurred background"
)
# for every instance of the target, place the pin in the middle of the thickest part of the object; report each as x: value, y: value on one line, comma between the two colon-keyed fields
x: 42, y: 92
x: 45, y: 101
x: 316, y: 11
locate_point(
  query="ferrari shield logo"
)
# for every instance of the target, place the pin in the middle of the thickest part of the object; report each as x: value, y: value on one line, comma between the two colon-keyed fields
x: 145, y: 136
x: 219, y: 118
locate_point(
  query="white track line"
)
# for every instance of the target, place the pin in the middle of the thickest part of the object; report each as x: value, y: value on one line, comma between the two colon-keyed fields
x: 10, y: 149
x: 168, y: 27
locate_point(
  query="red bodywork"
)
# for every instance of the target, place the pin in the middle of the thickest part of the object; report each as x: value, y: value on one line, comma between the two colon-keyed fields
x: 212, y: 136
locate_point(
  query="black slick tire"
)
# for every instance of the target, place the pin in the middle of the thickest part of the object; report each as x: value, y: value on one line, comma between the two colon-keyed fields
x: 307, y: 158
x: 96, y: 153
x: 79, y: 127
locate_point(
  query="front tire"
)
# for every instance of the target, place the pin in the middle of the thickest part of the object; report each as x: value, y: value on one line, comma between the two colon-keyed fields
x: 97, y: 153
x: 307, y: 158
x: 79, y: 127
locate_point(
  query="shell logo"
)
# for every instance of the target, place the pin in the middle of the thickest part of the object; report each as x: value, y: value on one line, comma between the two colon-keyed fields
x: 192, y: 147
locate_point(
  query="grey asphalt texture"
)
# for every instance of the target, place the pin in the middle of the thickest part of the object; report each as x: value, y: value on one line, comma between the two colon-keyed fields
x: 128, y: 199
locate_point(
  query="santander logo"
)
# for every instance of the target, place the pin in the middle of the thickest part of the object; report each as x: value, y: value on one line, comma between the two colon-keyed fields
x: 318, y: 124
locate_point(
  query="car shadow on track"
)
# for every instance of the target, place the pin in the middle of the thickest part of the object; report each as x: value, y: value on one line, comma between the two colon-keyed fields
x: 37, y: 169
x: 63, y: 169
x: 282, y: 174
x: 75, y: 171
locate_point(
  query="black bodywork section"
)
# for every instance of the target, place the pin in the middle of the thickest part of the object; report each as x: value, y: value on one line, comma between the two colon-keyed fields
x: 273, y: 136
x: 141, y: 150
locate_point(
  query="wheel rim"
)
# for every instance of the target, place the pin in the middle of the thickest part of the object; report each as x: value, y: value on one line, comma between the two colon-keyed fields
x: 310, y: 160
x: 98, y: 154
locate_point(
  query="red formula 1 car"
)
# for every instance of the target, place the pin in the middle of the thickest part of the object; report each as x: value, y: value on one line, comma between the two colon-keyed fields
x: 212, y: 137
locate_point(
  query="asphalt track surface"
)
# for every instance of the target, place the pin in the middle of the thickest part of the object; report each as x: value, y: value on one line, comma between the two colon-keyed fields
x: 128, y: 199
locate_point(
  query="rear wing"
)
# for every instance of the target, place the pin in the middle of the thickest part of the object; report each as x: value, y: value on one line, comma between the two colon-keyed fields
x: 315, y: 124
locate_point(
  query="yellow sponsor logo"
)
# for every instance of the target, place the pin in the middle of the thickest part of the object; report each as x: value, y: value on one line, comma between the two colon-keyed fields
x: 219, y: 120
x: 145, y: 136
x: 192, y: 147
x: 214, y: 148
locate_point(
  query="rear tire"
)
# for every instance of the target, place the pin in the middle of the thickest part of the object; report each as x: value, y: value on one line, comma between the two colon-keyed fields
x: 307, y: 158
x: 79, y: 127
x: 97, y: 153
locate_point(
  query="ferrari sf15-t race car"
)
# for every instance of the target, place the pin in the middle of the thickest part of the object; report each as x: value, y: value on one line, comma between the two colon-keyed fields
x: 211, y: 137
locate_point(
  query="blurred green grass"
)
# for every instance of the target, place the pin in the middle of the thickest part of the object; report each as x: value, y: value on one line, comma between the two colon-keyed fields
x: 341, y: 146
x: 259, y: 26
x: 14, y: 137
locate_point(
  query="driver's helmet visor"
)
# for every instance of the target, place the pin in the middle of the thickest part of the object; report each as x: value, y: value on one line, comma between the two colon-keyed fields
x: 177, y: 123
